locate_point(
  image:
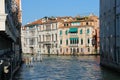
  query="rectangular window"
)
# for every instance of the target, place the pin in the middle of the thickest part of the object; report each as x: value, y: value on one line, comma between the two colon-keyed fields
x: 86, y: 23
x: 77, y: 41
x: 70, y: 41
x: 31, y: 41
x: 56, y: 45
x: 67, y: 24
x: 73, y: 41
x: 43, y: 38
x: 66, y: 49
x: 56, y: 37
x: 88, y: 49
x: 56, y: 25
x: 88, y: 40
x: 81, y: 41
x: 81, y: 49
x: 60, y: 49
x: 64, y: 24
x: 40, y: 38
x: 52, y: 37
x: 71, y: 50
x: 60, y: 41
x: 77, y: 50
x: 67, y: 42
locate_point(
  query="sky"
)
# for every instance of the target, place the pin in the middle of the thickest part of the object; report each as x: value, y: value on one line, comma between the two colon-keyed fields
x: 36, y: 9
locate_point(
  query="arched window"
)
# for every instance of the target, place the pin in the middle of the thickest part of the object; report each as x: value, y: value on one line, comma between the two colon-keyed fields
x: 77, y: 50
x: 66, y: 49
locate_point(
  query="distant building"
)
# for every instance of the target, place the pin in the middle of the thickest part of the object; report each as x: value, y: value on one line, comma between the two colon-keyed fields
x: 110, y: 33
x: 62, y: 35
x: 76, y: 36
x: 10, y: 44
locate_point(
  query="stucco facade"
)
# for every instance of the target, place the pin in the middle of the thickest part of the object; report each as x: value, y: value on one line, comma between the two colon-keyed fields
x: 55, y: 35
x: 80, y: 41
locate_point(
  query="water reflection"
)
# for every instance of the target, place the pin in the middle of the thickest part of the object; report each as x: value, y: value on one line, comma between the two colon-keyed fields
x: 66, y: 68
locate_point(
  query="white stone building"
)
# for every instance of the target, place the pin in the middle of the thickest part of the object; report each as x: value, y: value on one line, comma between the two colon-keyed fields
x: 48, y: 37
x: 29, y: 37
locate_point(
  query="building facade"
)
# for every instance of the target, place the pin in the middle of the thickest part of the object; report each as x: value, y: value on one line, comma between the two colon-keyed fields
x: 76, y: 36
x: 48, y: 37
x: 64, y: 35
x: 10, y: 26
x: 110, y: 33
x: 43, y: 38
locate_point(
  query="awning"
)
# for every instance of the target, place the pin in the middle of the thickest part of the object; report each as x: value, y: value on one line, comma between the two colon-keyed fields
x: 73, y: 38
x: 73, y: 30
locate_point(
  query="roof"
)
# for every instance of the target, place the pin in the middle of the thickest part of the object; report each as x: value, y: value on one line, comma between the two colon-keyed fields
x: 34, y: 23
x: 65, y: 19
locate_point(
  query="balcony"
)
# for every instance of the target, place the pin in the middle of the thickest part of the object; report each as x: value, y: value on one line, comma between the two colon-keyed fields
x: 73, y: 45
x: 31, y: 45
x: 47, y: 42
x: 73, y: 34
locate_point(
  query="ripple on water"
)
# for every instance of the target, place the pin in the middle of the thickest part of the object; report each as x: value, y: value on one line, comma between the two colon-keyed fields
x: 65, y: 68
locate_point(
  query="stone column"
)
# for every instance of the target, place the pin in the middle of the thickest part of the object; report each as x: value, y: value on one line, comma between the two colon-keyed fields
x: 2, y: 6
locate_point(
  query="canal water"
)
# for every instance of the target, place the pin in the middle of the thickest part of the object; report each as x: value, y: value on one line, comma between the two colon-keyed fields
x: 66, y: 68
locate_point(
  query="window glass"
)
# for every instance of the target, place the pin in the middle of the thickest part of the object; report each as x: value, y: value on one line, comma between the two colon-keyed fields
x: 60, y: 41
x: 67, y: 42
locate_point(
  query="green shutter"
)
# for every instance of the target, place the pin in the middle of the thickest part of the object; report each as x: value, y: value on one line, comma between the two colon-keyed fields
x: 60, y: 32
x: 81, y: 31
x: 88, y: 31
x: 66, y: 32
x: 74, y: 40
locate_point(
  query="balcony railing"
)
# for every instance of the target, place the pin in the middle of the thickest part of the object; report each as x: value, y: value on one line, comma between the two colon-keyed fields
x: 73, y: 45
x: 73, y: 34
